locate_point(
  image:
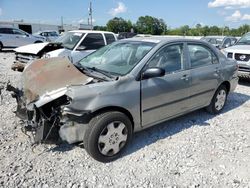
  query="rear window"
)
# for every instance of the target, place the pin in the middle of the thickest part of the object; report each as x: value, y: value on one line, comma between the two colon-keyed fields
x: 6, y: 31
x: 109, y: 38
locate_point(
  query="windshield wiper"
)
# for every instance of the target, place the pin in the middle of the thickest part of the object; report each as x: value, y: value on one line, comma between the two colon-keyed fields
x: 89, y: 72
x: 105, y: 73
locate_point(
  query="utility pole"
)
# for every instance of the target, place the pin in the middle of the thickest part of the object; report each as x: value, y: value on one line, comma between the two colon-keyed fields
x: 61, y: 23
x: 90, y: 19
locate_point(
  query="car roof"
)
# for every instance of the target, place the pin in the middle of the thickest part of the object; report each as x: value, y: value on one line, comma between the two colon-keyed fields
x: 47, y: 31
x: 215, y: 37
x: 90, y: 31
x: 162, y: 39
x: 218, y: 37
x: 8, y: 27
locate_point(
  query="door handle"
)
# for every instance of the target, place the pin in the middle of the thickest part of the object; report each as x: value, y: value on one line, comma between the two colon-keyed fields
x: 185, y: 77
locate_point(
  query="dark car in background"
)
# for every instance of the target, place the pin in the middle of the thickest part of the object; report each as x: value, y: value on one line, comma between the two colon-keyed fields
x: 125, y: 35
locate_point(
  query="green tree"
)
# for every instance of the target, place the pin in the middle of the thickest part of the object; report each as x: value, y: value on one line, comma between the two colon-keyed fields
x: 243, y: 29
x: 184, y: 30
x: 117, y: 25
x: 150, y: 25
x: 100, y: 28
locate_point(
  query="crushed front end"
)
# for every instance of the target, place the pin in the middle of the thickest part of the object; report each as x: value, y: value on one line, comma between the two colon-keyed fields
x: 42, y: 101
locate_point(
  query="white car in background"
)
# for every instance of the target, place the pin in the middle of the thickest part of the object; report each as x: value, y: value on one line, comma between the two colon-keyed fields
x: 13, y: 37
x: 48, y: 35
x: 241, y: 53
x: 74, y: 45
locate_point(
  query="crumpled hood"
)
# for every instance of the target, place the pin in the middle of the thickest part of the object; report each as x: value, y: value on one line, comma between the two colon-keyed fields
x: 239, y: 49
x: 31, y: 48
x: 44, y: 77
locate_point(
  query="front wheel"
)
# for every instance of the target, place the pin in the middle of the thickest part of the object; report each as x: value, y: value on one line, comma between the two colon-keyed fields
x: 219, y: 100
x: 107, y: 136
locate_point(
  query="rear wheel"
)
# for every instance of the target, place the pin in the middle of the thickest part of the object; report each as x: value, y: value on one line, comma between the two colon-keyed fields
x: 38, y: 41
x: 107, y: 136
x: 219, y: 100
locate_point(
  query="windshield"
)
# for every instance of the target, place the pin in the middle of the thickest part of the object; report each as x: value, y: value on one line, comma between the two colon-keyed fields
x: 245, y: 40
x: 117, y: 58
x: 70, y: 39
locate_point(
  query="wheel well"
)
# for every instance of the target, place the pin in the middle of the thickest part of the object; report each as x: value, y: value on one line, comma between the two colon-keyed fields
x: 115, y: 108
x: 228, y: 86
x: 38, y: 41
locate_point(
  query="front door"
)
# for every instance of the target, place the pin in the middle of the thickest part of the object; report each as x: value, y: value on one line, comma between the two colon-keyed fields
x: 22, y: 38
x: 167, y: 96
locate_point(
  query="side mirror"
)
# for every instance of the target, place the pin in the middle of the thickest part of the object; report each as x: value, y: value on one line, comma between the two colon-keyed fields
x: 81, y: 48
x: 153, y: 73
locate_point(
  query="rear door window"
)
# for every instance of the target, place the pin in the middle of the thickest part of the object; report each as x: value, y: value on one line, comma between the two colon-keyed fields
x: 201, y: 56
x: 109, y: 38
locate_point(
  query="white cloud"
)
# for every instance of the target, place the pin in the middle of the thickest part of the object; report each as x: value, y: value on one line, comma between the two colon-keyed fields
x: 229, y: 3
x: 237, y: 16
x: 246, y: 17
x: 84, y: 21
x: 121, y: 8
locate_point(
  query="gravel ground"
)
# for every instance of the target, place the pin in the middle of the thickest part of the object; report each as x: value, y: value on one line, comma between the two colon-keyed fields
x: 196, y: 150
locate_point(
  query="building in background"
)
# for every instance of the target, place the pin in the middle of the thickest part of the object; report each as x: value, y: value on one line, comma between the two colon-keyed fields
x: 35, y: 27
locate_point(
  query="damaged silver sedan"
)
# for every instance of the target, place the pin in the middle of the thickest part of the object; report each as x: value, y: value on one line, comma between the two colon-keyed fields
x: 120, y: 89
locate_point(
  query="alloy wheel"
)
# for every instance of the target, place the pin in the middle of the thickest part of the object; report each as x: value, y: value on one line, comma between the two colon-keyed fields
x: 113, y: 138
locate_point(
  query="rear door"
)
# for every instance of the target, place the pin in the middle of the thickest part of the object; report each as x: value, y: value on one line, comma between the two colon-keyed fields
x: 7, y: 37
x: 166, y: 96
x: 205, y: 72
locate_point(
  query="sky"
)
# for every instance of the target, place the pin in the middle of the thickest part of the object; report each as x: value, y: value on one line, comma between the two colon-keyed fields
x: 176, y: 13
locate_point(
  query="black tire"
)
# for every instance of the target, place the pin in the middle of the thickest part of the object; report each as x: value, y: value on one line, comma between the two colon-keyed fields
x: 98, y: 128
x: 213, y: 108
x: 38, y: 41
